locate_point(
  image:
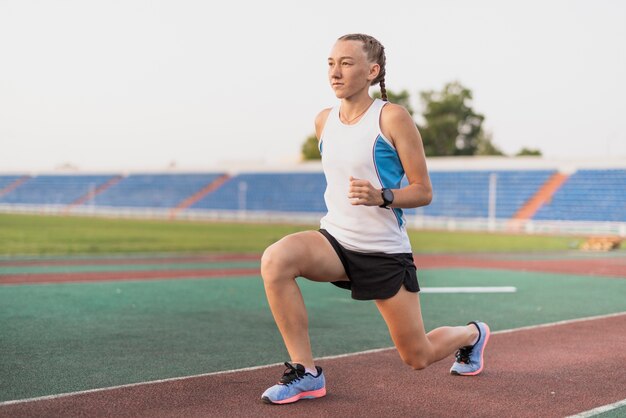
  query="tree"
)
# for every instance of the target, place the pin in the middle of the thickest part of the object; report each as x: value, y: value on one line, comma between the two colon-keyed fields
x: 451, y: 126
x: 310, y: 148
x: 486, y: 145
x: 528, y: 151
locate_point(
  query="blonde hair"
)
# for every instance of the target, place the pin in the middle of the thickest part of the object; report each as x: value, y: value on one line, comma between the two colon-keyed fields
x: 375, y: 53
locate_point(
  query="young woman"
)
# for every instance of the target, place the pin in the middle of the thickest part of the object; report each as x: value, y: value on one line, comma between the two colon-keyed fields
x: 367, y: 147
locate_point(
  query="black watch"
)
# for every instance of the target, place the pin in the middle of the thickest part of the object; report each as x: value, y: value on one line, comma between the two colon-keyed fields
x: 387, y: 195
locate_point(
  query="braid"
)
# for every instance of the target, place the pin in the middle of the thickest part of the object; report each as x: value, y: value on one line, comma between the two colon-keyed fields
x: 383, y: 90
x: 375, y: 53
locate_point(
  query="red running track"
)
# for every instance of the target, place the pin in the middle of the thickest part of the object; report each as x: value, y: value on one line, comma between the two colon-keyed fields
x: 202, y: 258
x: 551, y: 371
x: 107, y: 276
x: 607, y: 267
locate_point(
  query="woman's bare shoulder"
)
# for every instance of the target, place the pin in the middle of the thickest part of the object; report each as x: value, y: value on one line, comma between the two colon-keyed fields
x: 322, y: 116
x: 320, y: 121
x: 395, y: 112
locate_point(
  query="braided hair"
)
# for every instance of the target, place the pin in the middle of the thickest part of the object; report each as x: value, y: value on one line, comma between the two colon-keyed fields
x: 375, y: 53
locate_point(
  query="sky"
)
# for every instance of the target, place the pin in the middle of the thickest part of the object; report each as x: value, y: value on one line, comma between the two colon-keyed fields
x: 132, y: 84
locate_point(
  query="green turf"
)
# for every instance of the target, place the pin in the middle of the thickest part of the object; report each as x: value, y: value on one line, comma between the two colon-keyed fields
x: 67, y: 337
x: 30, y: 234
x: 614, y: 413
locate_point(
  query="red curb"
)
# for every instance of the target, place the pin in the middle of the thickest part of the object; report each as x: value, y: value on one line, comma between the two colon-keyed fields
x: 132, y: 260
x: 609, y: 267
x: 109, y: 276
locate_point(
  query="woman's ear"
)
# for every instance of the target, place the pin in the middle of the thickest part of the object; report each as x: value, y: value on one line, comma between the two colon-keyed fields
x: 374, y: 71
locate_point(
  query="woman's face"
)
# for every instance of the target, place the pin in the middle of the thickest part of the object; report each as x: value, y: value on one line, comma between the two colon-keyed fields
x: 349, y: 72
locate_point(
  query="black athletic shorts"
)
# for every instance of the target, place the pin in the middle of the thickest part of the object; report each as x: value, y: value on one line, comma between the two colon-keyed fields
x: 375, y: 275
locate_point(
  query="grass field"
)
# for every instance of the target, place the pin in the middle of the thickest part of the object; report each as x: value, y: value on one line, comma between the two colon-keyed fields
x: 56, y: 235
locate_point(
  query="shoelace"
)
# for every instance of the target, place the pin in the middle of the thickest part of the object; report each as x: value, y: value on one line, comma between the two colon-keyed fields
x: 462, y: 355
x: 291, y: 374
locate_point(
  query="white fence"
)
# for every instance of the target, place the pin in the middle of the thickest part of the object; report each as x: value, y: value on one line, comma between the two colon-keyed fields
x: 413, y: 221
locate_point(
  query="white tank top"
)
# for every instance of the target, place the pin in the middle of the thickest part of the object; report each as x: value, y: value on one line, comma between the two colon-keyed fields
x: 361, y: 151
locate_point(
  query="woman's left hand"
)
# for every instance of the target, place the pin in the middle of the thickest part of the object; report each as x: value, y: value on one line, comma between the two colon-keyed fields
x: 361, y: 192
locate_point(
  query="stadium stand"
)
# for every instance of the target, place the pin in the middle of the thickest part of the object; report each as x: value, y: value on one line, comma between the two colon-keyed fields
x: 153, y: 190
x: 53, y: 189
x: 583, y: 196
x: 589, y: 195
x: 298, y: 192
x: 465, y: 194
x: 543, y: 194
x: 7, y: 183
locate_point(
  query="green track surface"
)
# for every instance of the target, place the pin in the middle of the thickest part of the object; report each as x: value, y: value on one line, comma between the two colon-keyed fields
x: 66, y: 337
x: 615, y: 413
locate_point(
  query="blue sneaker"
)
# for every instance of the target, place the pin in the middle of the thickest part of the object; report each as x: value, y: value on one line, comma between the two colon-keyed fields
x: 295, y: 385
x: 469, y: 360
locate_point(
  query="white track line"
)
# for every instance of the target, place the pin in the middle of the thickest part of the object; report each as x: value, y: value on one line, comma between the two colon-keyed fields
x: 475, y: 289
x: 599, y: 410
x: 266, y: 366
x: 564, y: 322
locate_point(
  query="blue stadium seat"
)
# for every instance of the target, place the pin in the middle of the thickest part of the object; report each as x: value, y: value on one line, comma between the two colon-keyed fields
x: 289, y: 192
x: 589, y: 195
x: 7, y: 181
x: 465, y: 194
x: 54, y: 189
x: 153, y: 190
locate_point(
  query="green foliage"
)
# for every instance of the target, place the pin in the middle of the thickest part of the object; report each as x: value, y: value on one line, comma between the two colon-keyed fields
x: 486, y: 145
x: 310, y: 149
x: 452, y: 127
x: 529, y: 151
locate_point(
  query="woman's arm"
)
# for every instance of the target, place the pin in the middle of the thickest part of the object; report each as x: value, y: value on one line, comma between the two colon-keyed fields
x: 320, y: 122
x: 398, y: 126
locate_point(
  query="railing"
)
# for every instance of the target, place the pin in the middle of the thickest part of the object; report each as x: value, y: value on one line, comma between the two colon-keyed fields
x: 418, y: 221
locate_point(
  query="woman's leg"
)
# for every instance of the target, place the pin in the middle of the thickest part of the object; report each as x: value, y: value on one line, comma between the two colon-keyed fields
x: 403, y: 316
x: 307, y: 254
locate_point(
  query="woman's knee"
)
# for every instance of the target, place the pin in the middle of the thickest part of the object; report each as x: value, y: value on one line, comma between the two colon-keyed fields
x: 307, y: 254
x: 270, y: 260
x: 277, y: 263
x: 417, y: 359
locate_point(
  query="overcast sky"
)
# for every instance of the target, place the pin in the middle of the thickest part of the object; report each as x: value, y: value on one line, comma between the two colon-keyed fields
x: 133, y: 84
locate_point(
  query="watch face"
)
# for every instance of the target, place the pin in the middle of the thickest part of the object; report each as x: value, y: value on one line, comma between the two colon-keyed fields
x: 388, y: 195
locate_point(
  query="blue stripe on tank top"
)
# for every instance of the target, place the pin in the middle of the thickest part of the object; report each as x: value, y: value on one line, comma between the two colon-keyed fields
x: 389, y: 170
